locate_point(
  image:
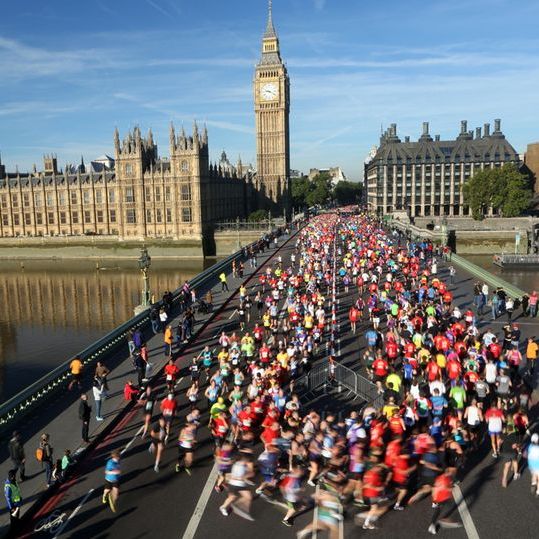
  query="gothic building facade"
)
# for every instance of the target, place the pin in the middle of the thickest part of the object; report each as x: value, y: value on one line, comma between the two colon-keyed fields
x: 272, y: 109
x: 145, y: 196
x: 139, y: 194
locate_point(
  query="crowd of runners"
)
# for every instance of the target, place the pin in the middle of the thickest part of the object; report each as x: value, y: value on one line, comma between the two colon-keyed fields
x: 448, y: 388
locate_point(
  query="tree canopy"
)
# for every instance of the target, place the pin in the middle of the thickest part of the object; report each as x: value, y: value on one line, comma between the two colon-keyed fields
x: 504, y: 189
x: 319, y: 190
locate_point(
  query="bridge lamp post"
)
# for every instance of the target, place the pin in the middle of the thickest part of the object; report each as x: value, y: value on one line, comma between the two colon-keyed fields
x: 144, y: 263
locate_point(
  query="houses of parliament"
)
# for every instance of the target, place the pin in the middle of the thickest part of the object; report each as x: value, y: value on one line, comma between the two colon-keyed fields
x: 139, y: 195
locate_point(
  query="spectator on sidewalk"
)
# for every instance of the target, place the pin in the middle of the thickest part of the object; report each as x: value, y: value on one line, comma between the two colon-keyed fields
x: 16, y: 454
x: 46, y: 457
x: 85, y: 411
x: 13, y: 500
x: 99, y: 395
x: 222, y: 279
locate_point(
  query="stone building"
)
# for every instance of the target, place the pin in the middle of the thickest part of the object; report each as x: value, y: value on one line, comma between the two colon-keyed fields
x: 145, y: 196
x: 425, y: 178
x: 531, y: 160
x: 272, y: 109
x: 138, y: 194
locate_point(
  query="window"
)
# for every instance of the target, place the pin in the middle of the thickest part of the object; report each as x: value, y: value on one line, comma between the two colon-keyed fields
x: 112, y: 216
x: 15, y: 201
x: 5, y: 220
x: 148, y: 194
x: 148, y: 216
x: 27, y: 219
x: 61, y: 198
x: 50, y: 218
x: 16, y: 219
x: 112, y: 196
x: 129, y: 194
x: 99, y: 216
x: 130, y: 217
x: 74, y: 198
x: 186, y: 215
x: 167, y: 194
x: 186, y: 191
x: 158, y: 194
x: 63, y: 219
x: 86, y: 196
x: 169, y: 215
x: 128, y: 169
x: 99, y: 196
x: 26, y: 199
x: 87, y: 217
x: 75, y: 217
x: 50, y: 199
x: 4, y: 201
x: 39, y: 218
x: 37, y: 200
x: 185, y: 166
x: 158, y: 216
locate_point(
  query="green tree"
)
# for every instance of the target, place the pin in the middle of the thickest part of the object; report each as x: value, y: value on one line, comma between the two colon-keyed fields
x: 299, y: 191
x: 258, y: 215
x: 346, y: 192
x: 319, y: 190
x: 504, y: 189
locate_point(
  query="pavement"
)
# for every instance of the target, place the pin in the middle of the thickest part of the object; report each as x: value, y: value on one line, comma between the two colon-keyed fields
x: 171, y: 505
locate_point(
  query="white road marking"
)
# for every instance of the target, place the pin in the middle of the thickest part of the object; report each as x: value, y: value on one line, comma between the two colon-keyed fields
x: 180, y: 380
x: 469, y: 526
x: 235, y: 311
x: 77, y: 509
x: 132, y: 440
x: 192, y: 527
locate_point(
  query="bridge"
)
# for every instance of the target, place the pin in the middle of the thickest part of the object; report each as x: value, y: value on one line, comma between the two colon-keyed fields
x: 170, y: 505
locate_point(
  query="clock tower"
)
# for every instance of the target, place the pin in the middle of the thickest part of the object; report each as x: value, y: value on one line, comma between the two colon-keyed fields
x: 272, y: 108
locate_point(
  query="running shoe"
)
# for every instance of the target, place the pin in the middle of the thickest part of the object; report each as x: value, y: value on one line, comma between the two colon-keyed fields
x: 432, y: 529
x: 224, y: 511
x: 188, y: 471
x: 369, y: 526
x: 286, y: 522
x: 178, y: 468
x: 156, y: 468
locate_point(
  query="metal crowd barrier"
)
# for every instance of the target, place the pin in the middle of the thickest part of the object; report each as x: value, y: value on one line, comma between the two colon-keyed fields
x: 319, y: 376
x: 20, y: 404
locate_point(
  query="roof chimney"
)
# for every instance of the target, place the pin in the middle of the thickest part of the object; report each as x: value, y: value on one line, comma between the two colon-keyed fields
x: 437, y: 138
x: 486, y: 130
x: 425, y: 128
x: 497, y: 125
x: 463, y: 127
x: 477, y: 132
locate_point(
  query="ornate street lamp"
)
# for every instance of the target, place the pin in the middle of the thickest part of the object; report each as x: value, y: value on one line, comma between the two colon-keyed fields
x: 144, y: 263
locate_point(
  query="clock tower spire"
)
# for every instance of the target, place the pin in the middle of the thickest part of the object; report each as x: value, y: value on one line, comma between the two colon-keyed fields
x: 272, y: 109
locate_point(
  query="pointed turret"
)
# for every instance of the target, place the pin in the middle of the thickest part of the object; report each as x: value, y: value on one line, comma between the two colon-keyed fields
x: 150, y: 138
x: 196, y: 139
x: 172, y: 136
x: 270, y: 29
x: 116, y: 140
x: 205, y: 135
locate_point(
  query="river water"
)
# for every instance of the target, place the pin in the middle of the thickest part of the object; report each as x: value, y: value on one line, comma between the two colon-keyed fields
x: 51, y: 310
x: 526, y: 279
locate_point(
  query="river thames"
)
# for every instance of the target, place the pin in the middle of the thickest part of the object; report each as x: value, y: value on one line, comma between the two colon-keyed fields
x: 51, y: 310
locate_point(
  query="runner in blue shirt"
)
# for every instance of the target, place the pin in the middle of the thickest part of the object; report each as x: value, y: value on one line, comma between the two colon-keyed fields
x: 112, y: 480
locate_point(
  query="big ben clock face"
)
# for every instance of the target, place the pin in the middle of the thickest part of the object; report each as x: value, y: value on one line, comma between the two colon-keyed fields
x: 269, y: 91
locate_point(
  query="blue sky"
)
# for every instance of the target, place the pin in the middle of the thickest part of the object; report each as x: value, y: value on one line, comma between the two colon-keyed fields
x: 71, y: 71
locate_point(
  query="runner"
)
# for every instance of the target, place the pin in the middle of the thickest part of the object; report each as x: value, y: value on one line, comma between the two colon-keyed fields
x: 111, y: 492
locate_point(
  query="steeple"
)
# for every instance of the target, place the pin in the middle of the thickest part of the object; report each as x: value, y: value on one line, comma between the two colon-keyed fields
x: 270, y: 29
x: 270, y: 41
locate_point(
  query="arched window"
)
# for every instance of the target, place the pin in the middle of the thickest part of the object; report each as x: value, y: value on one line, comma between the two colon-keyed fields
x: 184, y: 166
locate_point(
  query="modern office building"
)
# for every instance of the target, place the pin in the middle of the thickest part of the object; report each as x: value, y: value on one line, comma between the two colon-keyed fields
x: 425, y: 177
